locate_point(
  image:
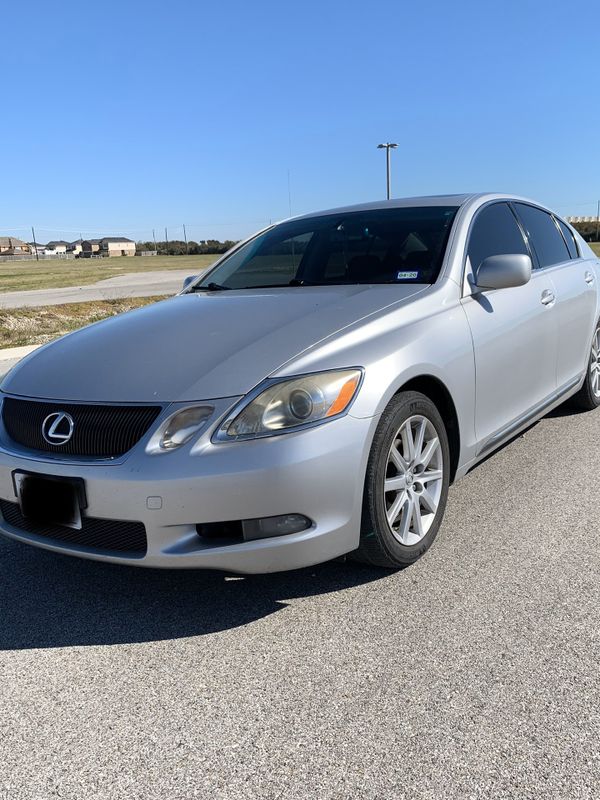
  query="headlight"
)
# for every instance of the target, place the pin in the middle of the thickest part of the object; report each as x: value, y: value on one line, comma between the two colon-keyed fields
x: 179, y: 428
x: 290, y: 404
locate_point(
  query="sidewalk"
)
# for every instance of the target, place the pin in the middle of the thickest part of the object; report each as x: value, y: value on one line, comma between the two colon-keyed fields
x: 12, y: 355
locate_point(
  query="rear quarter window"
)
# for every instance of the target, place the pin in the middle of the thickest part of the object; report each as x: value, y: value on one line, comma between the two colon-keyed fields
x: 569, y: 238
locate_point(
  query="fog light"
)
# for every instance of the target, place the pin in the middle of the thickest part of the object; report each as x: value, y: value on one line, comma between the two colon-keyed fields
x: 274, y: 526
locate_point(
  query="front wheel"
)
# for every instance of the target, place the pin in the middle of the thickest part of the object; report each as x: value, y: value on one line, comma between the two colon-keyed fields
x: 406, y: 485
x: 588, y: 397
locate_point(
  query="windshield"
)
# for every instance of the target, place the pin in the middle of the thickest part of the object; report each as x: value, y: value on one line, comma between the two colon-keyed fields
x: 390, y: 245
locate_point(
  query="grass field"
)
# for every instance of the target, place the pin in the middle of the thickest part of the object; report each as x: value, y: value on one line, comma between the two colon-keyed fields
x: 21, y: 275
x: 26, y: 326
x: 15, y: 275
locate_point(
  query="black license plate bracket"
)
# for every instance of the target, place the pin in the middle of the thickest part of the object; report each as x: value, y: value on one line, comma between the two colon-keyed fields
x: 50, y: 499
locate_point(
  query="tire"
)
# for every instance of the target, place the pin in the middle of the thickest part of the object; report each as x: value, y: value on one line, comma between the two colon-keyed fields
x: 414, y: 503
x: 588, y: 397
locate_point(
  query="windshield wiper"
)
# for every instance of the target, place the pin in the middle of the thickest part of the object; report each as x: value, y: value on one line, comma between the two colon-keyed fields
x: 212, y: 287
x: 293, y: 282
x: 218, y: 287
x: 268, y: 286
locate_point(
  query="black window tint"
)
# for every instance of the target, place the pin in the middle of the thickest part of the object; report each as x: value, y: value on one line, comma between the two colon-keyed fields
x: 277, y: 262
x: 383, y: 245
x: 569, y: 238
x: 495, y: 232
x: 545, y: 237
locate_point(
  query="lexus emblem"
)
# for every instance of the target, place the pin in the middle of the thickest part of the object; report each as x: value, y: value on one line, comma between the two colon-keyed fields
x: 58, y: 428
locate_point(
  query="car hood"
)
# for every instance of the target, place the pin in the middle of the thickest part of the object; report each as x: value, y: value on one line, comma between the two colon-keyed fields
x: 196, y: 346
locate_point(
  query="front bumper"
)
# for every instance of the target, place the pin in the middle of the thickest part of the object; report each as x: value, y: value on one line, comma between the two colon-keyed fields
x: 318, y: 473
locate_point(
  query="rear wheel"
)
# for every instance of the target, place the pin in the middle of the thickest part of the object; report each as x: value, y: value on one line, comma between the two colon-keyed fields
x: 588, y: 397
x: 406, y: 484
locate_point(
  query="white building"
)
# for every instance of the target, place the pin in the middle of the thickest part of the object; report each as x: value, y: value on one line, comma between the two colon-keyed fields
x: 57, y: 248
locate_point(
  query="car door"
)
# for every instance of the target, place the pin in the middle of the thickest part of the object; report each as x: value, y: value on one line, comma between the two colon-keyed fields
x: 514, y: 330
x: 574, y: 280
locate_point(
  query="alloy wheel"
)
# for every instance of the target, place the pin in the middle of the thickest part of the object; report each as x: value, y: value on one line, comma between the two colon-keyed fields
x: 595, y: 363
x: 414, y: 478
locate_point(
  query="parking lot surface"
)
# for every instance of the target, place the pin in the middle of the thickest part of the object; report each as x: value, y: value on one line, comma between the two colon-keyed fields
x: 472, y: 674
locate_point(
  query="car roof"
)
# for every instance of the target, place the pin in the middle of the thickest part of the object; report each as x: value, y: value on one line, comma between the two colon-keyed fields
x: 401, y: 202
x: 452, y: 200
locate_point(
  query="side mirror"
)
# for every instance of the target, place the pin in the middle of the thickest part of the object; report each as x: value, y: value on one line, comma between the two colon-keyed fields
x: 188, y: 280
x: 503, y: 272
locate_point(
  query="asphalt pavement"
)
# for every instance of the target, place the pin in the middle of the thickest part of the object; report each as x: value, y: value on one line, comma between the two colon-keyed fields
x: 134, y: 284
x: 472, y: 674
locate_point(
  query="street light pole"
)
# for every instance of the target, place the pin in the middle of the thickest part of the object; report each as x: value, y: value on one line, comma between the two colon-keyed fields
x: 387, y: 146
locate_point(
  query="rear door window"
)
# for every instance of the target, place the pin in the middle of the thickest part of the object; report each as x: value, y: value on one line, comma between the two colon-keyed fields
x: 544, y: 236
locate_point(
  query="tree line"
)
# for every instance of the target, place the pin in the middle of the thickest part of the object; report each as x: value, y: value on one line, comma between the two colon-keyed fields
x: 176, y: 247
x: 588, y: 230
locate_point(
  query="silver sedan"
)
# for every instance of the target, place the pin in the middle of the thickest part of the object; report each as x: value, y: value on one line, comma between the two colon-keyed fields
x: 313, y: 395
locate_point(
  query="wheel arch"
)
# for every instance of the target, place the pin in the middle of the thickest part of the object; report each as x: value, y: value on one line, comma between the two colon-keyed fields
x: 438, y: 393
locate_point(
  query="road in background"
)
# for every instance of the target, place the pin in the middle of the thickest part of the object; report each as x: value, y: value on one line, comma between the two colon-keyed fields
x: 472, y: 674
x: 12, y: 356
x: 135, y: 284
x: 6, y: 365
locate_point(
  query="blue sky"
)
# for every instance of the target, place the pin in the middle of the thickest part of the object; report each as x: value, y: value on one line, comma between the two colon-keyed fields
x: 125, y: 116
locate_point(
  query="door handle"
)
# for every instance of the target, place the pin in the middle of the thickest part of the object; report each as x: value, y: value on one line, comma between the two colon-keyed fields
x: 589, y: 278
x: 547, y: 297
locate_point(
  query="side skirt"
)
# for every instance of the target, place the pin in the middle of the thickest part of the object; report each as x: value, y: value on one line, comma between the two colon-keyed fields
x: 537, y: 412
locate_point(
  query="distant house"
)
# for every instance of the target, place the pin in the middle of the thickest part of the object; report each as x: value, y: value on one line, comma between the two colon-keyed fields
x: 108, y: 246
x: 75, y: 247
x: 89, y: 248
x: 11, y: 246
x: 117, y: 246
x: 56, y: 248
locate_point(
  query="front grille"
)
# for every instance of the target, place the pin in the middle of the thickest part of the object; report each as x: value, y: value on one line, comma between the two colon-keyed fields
x: 102, y: 535
x: 100, y: 431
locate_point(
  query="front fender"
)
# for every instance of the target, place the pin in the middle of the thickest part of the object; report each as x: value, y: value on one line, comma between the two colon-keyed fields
x: 428, y: 337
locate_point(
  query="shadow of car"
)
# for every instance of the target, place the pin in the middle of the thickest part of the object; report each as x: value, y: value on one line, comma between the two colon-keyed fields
x: 93, y: 603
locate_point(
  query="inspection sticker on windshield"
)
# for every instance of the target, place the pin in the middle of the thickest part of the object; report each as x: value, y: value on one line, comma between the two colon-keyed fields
x: 407, y: 276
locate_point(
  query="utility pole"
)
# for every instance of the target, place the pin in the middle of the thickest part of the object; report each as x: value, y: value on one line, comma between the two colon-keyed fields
x: 185, y: 239
x: 387, y: 146
x: 598, y: 221
x: 166, y: 242
x: 37, y: 257
x: 154, y: 238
